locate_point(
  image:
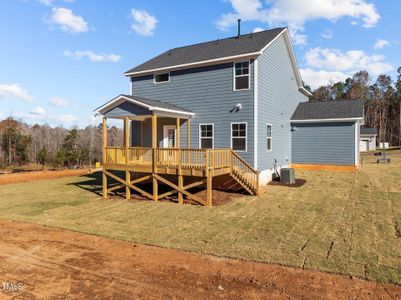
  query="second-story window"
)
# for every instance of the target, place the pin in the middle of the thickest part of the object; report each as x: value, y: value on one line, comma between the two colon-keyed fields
x: 241, y: 76
x: 159, y: 78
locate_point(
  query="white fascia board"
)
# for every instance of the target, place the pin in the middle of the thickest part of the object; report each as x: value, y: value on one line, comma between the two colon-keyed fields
x: 196, y: 64
x: 304, y: 91
x: 327, y: 120
x: 171, y: 112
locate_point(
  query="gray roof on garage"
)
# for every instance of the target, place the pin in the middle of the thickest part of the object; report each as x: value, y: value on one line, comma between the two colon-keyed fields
x: 335, y: 109
x: 369, y: 131
x: 244, y: 44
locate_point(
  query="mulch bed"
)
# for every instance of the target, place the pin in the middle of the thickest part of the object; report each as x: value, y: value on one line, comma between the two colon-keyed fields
x: 298, y: 183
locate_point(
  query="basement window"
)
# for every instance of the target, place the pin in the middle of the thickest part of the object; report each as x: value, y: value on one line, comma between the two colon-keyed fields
x: 238, y: 137
x: 241, y: 76
x: 159, y: 78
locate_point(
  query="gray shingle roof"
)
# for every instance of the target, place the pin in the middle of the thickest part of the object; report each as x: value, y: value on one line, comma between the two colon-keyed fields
x: 245, y: 44
x: 157, y: 103
x: 335, y: 109
x: 150, y: 102
x: 369, y: 131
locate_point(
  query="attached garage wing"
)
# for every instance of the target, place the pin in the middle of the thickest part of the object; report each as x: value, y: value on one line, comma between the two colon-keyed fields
x: 327, y: 133
x: 324, y: 143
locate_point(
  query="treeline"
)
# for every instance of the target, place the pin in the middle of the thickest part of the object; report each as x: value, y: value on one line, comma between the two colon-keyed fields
x: 382, y: 99
x: 22, y: 144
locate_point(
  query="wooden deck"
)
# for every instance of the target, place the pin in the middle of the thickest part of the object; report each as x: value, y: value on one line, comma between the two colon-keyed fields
x: 202, y: 163
x: 156, y: 163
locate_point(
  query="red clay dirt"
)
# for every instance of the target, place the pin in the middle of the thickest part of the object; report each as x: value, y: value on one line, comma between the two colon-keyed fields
x: 39, y: 175
x: 56, y: 264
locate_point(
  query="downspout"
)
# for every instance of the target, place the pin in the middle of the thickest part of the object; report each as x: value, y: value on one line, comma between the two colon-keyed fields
x: 255, y: 114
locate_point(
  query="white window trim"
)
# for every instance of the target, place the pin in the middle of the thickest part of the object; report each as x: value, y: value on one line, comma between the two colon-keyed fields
x: 165, y: 134
x: 249, y: 75
x: 200, y: 134
x: 246, y: 136
x: 271, y: 137
x: 160, y: 82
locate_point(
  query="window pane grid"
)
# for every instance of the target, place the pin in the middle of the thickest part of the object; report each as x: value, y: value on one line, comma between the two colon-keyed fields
x: 238, y: 136
x: 241, y: 79
x: 269, y: 137
x: 206, y: 136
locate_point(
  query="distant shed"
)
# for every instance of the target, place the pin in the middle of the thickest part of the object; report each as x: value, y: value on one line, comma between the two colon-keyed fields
x: 326, y: 134
x: 367, y: 139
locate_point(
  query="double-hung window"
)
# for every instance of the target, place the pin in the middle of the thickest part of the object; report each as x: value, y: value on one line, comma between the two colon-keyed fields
x: 206, y: 136
x: 269, y: 137
x: 241, y: 76
x: 238, y: 136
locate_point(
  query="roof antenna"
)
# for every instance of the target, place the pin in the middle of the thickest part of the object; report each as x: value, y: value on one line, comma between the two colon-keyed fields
x: 239, y: 28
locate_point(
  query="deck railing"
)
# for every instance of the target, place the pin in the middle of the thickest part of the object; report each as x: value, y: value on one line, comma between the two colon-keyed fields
x: 169, y: 157
x: 244, y: 170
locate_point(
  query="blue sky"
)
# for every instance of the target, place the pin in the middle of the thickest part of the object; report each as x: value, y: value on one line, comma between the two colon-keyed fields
x: 61, y: 59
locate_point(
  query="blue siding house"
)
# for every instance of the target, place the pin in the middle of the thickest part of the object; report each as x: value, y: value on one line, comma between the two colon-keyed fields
x: 220, y: 108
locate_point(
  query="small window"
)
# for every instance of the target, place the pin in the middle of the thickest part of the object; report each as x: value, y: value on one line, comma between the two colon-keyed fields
x: 241, y: 76
x: 269, y: 137
x: 206, y: 136
x: 158, y: 78
x: 238, y: 136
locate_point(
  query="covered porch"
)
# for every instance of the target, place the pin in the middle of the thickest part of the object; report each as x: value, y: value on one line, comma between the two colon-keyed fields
x: 159, y: 154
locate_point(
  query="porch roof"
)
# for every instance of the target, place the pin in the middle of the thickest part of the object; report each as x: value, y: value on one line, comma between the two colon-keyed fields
x: 138, y: 107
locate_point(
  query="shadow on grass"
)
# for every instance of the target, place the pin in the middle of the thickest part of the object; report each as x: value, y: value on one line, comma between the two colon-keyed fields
x: 93, y: 183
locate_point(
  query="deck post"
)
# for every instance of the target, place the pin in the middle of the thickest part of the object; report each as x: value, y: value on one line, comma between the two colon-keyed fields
x: 127, y: 189
x: 189, y: 133
x: 178, y: 146
x: 104, y: 145
x: 209, y: 180
x: 126, y: 145
x: 142, y: 133
x: 154, y: 157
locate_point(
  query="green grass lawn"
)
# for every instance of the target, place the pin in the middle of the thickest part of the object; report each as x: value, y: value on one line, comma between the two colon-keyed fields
x: 337, y: 222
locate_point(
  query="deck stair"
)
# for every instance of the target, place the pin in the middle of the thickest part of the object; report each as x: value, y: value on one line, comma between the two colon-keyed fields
x: 244, y: 174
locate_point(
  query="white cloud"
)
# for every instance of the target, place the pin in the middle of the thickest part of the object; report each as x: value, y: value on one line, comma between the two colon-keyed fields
x: 143, y: 23
x: 327, y: 34
x: 39, y: 115
x: 58, y: 102
x: 67, y: 118
x: 67, y: 21
x: 380, y: 44
x: 14, y: 91
x: 317, y: 78
x: 94, y: 57
x: 295, y: 13
x: 352, y: 60
x: 39, y: 111
x: 46, y: 2
x: 257, y: 29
